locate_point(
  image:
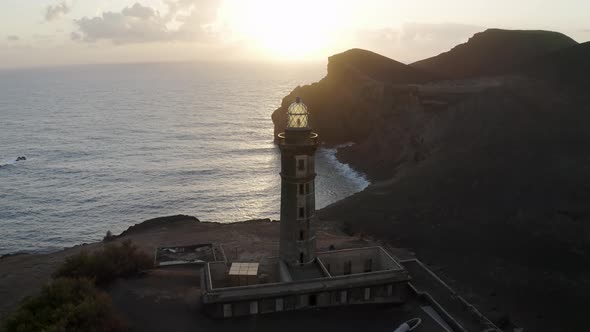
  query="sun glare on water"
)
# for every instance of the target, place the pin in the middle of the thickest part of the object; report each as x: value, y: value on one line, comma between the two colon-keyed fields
x: 289, y: 30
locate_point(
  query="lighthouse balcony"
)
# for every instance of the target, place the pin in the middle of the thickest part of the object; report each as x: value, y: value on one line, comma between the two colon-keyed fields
x: 297, y: 139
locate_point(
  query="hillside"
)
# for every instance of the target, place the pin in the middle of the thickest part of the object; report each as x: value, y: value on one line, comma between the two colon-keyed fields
x: 374, y: 66
x: 484, y: 176
x: 501, y: 197
x: 494, y: 52
x: 569, y: 66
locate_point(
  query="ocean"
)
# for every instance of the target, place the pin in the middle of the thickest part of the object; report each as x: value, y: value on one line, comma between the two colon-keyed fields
x: 108, y: 146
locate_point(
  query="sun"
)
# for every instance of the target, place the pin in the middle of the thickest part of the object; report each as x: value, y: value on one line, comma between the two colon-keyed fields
x: 285, y: 30
x: 291, y: 41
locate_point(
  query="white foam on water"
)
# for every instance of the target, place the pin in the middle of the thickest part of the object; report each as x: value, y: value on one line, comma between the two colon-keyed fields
x: 7, y: 163
x: 359, y: 179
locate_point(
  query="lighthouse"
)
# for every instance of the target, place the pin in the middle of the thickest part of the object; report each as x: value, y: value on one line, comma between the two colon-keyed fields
x: 301, y: 277
x: 297, y: 230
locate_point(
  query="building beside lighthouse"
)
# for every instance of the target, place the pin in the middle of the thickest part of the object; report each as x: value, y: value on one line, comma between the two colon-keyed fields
x: 301, y: 277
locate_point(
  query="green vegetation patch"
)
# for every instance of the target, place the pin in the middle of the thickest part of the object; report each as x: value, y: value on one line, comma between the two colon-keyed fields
x: 65, y: 305
x: 104, y: 266
x: 72, y: 302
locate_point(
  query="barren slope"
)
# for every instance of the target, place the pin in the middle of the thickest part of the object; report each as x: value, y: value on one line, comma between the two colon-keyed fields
x: 494, y: 52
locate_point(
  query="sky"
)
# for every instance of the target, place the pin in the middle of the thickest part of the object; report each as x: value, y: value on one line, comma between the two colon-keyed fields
x: 55, y: 32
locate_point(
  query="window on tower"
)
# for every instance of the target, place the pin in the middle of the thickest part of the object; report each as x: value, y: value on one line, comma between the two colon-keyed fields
x: 301, y: 212
x: 301, y: 164
x: 300, y: 235
x: 301, y: 189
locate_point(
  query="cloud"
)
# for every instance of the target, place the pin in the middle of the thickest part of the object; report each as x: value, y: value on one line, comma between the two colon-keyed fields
x: 75, y: 36
x: 415, y: 41
x: 57, y: 11
x: 139, y: 11
x: 143, y: 24
x: 13, y: 38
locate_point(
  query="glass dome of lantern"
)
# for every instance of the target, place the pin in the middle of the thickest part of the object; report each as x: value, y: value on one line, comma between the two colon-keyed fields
x: 297, y: 115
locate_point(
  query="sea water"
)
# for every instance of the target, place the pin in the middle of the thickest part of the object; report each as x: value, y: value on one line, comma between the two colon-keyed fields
x: 108, y: 146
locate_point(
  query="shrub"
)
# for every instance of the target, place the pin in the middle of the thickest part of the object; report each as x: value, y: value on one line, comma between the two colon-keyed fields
x: 72, y: 302
x: 109, y: 237
x: 65, y: 305
x: 103, y: 266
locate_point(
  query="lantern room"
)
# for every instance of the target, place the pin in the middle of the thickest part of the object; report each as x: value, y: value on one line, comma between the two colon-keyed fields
x: 297, y: 115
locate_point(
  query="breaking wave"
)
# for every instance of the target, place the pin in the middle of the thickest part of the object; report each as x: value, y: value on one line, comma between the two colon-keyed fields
x: 358, y: 178
x: 7, y: 163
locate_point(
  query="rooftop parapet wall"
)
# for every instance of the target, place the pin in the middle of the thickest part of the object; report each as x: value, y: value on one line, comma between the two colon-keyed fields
x: 354, y: 261
x: 386, y: 270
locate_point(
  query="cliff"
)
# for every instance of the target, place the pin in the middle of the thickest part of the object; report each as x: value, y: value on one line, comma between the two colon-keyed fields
x: 352, y: 96
x: 365, y: 97
x: 386, y: 108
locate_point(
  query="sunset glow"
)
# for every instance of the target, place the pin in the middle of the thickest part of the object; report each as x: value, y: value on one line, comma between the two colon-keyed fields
x: 61, y: 32
x: 288, y: 31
